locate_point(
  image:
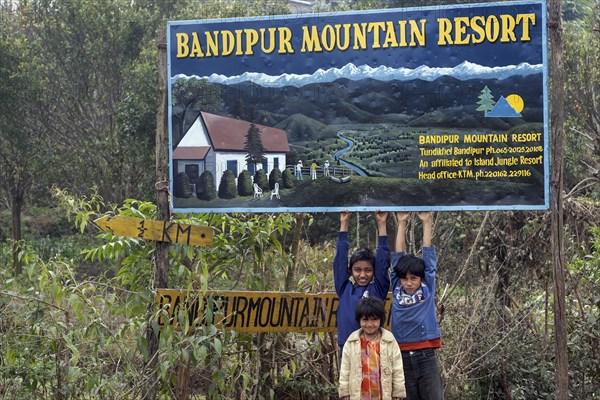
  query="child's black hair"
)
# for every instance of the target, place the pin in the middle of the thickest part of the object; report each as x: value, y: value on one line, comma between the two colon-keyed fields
x: 410, y: 263
x: 370, y: 307
x: 362, y: 254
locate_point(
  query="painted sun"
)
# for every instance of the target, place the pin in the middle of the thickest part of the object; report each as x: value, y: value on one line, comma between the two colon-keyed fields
x: 515, y: 102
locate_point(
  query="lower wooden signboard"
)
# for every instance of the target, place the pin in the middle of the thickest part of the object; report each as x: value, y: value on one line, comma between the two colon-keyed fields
x: 252, y: 311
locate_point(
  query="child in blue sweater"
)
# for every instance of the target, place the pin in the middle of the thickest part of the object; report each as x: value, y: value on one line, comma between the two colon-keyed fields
x: 365, y: 275
x: 414, y: 321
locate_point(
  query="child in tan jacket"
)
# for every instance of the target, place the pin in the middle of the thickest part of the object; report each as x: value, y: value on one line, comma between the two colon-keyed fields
x: 371, y: 360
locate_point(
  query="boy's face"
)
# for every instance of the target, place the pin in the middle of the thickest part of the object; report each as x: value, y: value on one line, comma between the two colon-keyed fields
x: 362, y: 272
x: 410, y: 283
x: 370, y: 325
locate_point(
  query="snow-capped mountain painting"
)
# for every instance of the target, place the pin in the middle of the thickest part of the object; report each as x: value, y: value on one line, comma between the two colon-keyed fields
x: 464, y: 71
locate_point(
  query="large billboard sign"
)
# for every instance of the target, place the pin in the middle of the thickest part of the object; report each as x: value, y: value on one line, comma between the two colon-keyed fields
x: 429, y: 108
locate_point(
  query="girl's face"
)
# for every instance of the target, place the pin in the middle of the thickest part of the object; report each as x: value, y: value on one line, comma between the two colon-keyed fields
x: 362, y: 272
x: 410, y: 283
x: 370, y: 325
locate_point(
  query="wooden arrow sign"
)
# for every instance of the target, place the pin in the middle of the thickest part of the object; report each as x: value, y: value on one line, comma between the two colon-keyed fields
x: 163, y: 231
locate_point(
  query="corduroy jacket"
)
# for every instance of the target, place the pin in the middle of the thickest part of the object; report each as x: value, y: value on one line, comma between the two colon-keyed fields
x: 390, y: 367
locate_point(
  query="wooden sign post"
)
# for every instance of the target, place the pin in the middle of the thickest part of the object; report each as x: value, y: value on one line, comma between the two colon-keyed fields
x: 162, y: 231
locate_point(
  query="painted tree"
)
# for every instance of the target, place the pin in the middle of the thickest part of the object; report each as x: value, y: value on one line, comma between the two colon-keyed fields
x: 254, y: 146
x: 486, y: 100
x: 189, y: 97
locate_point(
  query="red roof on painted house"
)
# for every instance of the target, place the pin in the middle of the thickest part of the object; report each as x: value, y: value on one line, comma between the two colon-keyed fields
x: 190, y: 153
x: 229, y: 134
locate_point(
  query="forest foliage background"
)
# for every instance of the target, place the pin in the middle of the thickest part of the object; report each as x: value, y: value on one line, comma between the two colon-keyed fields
x: 78, y: 101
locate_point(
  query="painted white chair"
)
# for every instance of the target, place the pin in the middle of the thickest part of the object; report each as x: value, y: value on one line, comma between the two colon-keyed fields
x: 258, y: 193
x: 275, y: 191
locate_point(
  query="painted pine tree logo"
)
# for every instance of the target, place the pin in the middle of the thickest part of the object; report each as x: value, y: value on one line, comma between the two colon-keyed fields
x: 486, y: 101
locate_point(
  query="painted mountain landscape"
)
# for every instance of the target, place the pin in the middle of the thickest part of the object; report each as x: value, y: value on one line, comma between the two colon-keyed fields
x: 394, y: 121
x: 383, y: 120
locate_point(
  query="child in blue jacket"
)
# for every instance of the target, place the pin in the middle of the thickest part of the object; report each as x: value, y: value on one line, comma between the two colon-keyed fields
x: 366, y: 275
x: 414, y: 321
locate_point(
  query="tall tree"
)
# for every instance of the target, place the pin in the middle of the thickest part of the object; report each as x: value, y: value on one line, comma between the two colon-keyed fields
x: 88, y: 55
x: 582, y: 57
x: 20, y: 143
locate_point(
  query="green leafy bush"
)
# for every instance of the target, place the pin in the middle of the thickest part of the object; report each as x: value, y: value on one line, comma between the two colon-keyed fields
x: 583, y: 316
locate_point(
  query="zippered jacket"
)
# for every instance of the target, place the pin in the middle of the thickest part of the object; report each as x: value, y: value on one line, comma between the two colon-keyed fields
x: 416, y: 320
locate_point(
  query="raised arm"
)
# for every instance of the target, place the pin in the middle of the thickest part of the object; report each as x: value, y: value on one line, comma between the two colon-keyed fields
x: 402, y: 218
x: 429, y: 256
x: 425, y: 217
x: 340, y: 260
x: 381, y: 218
x: 382, y: 256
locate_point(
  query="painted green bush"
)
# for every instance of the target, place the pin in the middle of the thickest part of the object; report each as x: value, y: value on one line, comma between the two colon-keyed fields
x: 227, y: 187
x: 206, y: 189
x: 244, y: 185
x: 274, y: 177
x: 260, y: 177
x: 181, y: 188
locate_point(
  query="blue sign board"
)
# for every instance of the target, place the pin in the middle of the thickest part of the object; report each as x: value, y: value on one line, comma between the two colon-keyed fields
x: 429, y: 108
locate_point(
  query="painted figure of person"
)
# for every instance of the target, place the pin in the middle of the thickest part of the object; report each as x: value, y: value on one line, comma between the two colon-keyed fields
x: 299, y: 170
x: 326, y: 168
x: 313, y: 170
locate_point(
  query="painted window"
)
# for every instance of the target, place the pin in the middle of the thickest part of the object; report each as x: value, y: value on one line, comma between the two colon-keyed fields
x: 233, y: 167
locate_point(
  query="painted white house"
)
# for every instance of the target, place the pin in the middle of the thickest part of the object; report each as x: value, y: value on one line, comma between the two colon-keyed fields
x: 216, y: 143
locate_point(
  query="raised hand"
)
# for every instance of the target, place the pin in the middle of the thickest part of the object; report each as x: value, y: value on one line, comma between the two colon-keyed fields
x: 344, y: 220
